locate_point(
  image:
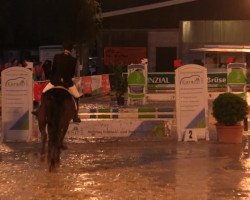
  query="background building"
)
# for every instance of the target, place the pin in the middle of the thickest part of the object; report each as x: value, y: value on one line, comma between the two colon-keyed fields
x: 169, y: 29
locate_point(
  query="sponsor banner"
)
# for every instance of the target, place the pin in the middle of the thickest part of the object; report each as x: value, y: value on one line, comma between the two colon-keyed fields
x: 87, y: 81
x: 105, y: 84
x: 170, y: 96
x: 158, y: 81
x: 162, y: 81
x: 217, y: 79
x: 92, y: 85
x: 117, y: 128
x: 17, y: 104
x: 96, y: 84
x: 191, y: 100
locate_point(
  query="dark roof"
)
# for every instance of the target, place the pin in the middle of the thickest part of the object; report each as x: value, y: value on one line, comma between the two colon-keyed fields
x: 170, y: 16
x: 110, y: 5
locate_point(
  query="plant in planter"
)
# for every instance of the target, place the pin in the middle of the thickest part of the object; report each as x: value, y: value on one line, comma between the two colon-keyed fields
x: 229, y: 110
x: 119, y: 83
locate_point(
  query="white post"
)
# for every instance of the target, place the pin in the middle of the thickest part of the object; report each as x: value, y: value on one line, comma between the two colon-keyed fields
x: 191, y: 101
x: 17, y: 104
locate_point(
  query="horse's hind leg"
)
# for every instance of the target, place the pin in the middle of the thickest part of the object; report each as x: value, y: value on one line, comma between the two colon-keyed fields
x: 42, y: 128
x: 50, y: 155
x: 44, y: 140
x: 62, y: 135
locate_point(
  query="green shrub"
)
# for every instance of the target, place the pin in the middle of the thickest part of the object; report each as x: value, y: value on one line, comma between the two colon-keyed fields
x: 229, y: 109
x: 119, y: 80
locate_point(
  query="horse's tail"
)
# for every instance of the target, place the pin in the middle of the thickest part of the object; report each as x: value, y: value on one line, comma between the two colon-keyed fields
x: 54, y: 134
x: 59, y: 111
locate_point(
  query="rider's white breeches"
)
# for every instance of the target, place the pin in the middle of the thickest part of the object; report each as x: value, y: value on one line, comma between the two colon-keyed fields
x: 72, y: 90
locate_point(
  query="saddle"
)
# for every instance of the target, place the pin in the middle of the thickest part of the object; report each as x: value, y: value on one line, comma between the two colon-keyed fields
x: 36, y: 111
x: 76, y: 118
x: 63, y: 88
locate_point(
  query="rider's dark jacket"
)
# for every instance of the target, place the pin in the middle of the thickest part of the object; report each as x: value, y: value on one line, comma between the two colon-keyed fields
x: 63, y: 70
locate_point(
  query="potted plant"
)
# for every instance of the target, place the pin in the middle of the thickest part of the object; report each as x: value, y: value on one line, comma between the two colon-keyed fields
x: 229, y: 110
x: 119, y: 83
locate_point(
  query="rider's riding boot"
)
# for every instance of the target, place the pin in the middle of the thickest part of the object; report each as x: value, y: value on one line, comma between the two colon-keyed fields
x: 35, y: 111
x: 76, y: 118
x: 37, y: 106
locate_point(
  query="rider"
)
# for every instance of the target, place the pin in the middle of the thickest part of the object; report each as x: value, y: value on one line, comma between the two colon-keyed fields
x: 63, y: 70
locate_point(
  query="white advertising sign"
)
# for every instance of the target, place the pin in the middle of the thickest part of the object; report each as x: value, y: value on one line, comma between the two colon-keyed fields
x: 48, y: 52
x: 16, y: 104
x: 191, y: 101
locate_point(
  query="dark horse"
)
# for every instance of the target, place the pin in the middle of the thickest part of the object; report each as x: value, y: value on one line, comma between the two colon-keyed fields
x: 56, y: 111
